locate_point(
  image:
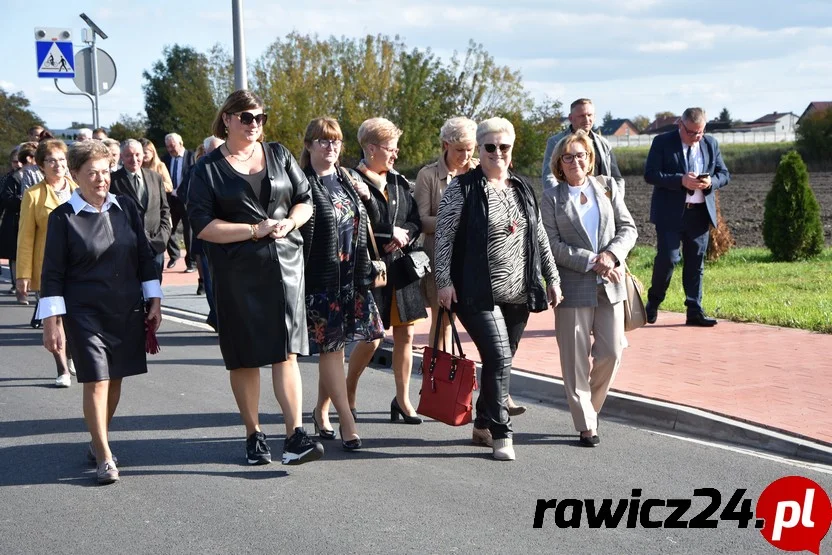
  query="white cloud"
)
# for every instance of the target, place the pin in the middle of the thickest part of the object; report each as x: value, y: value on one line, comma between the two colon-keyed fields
x: 670, y: 46
x: 7, y: 85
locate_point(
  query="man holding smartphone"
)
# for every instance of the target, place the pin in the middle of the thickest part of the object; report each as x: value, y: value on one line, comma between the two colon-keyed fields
x: 685, y: 167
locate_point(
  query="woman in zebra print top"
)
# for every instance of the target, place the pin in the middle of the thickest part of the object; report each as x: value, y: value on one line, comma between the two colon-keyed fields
x: 488, y: 225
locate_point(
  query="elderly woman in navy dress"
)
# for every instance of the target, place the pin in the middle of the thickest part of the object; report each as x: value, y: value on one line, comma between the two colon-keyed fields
x: 99, y: 289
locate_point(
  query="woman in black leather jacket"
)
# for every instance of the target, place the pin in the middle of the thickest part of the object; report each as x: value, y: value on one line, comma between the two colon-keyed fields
x: 339, y: 305
x: 247, y: 200
x: 396, y: 226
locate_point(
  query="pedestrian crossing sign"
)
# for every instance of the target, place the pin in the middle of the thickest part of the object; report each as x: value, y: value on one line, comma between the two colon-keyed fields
x: 55, y: 55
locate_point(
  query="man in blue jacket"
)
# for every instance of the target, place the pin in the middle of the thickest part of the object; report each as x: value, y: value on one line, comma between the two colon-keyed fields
x: 685, y: 168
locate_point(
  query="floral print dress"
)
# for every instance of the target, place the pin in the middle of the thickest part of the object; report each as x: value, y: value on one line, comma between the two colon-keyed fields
x: 337, y: 316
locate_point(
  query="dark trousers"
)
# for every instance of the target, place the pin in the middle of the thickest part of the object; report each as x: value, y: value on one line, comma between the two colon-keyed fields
x: 179, y: 214
x: 694, y: 243
x: 496, y: 333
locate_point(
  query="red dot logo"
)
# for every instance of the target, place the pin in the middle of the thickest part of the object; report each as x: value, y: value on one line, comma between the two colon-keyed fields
x: 797, y: 513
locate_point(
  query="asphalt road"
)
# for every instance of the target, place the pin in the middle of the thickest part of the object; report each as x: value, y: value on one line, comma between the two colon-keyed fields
x: 414, y: 489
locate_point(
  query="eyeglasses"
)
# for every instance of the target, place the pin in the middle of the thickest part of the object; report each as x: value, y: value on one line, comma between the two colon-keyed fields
x: 691, y: 133
x: 569, y: 158
x: 54, y: 160
x: 491, y: 148
x: 246, y: 118
x: 326, y: 143
x: 388, y: 150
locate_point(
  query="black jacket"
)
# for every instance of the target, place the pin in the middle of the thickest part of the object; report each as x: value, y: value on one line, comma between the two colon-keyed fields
x: 187, y: 164
x: 10, y: 197
x: 470, y: 257
x: 399, y: 211
x: 156, y: 214
x: 320, y: 238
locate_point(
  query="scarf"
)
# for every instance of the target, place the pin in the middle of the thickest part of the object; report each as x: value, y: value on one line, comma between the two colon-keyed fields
x: 378, y: 181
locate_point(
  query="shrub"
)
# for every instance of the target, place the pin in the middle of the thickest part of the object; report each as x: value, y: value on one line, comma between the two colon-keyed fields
x: 814, y: 136
x: 791, y: 223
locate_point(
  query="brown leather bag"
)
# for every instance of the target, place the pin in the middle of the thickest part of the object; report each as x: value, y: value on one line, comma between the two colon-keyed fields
x: 379, y: 265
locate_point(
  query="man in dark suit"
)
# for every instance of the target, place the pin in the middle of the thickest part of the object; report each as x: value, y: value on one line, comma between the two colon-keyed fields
x: 179, y: 162
x: 147, y: 190
x: 685, y: 168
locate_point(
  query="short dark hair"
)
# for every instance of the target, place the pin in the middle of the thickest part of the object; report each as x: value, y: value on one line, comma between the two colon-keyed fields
x: 237, y: 101
x: 579, y: 102
x: 26, y: 151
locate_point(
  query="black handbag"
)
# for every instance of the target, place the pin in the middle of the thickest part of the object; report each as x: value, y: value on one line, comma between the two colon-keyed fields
x: 409, y: 267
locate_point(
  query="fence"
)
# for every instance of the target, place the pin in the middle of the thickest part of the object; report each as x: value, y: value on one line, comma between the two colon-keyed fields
x: 750, y: 137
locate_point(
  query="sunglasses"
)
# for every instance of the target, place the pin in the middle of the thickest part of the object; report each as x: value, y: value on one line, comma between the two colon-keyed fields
x: 491, y: 148
x: 247, y: 118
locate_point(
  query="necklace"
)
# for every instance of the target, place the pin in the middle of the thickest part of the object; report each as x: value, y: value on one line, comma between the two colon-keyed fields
x: 246, y: 159
x: 502, y: 196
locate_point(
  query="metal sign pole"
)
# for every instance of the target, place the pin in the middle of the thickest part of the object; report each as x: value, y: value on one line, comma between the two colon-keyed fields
x: 95, y: 82
x: 92, y: 100
x: 240, y: 78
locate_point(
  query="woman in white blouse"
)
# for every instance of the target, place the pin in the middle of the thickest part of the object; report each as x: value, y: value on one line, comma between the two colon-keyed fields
x: 590, y: 232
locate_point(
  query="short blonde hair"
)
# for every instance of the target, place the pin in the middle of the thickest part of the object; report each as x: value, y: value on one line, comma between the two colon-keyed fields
x: 579, y: 136
x: 494, y: 125
x: 458, y: 130
x: 377, y: 130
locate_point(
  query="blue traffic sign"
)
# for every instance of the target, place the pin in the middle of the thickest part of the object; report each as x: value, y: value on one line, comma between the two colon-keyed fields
x: 56, y: 59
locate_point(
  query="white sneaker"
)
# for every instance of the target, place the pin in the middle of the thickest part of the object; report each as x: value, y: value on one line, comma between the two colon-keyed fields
x: 71, y: 366
x: 503, y: 449
x: 64, y: 380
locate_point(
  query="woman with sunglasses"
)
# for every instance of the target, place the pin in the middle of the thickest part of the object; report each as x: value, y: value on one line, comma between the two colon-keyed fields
x: 246, y: 201
x: 590, y: 232
x: 38, y: 202
x: 396, y: 226
x: 489, y: 225
x: 339, y: 305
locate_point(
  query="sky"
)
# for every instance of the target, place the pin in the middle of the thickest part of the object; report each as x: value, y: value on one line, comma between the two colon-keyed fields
x: 632, y: 57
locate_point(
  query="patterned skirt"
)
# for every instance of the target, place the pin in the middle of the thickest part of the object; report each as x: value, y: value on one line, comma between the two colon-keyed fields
x: 334, y: 318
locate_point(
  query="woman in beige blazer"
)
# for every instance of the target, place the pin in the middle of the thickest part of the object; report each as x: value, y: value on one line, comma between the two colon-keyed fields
x: 590, y: 232
x: 38, y: 202
x: 459, y: 139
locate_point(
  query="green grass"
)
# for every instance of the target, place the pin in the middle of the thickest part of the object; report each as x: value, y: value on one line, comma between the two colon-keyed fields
x: 740, y: 158
x: 745, y: 285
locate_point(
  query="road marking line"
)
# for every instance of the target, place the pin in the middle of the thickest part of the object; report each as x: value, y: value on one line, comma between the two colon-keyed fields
x: 185, y: 322
x: 817, y: 467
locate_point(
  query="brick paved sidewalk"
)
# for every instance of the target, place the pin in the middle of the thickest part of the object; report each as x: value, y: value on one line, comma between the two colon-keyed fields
x: 776, y: 377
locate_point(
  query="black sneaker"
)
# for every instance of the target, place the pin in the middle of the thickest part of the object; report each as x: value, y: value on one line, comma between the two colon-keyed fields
x: 299, y: 449
x: 257, y: 451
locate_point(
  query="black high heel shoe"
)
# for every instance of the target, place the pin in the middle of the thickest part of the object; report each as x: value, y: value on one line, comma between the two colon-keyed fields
x: 322, y: 432
x: 349, y: 445
x: 354, y: 415
x: 396, y: 411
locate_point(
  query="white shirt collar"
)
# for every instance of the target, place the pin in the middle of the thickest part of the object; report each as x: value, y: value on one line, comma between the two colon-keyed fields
x: 79, y: 204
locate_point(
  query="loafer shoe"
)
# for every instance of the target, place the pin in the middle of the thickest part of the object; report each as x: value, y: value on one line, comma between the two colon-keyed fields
x: 64, y: 380
x: 652, y: 312
x: 587, y: 441
x: 503, y: 449
x: 482, y: 436
x: 516, y: 410
x: 172, y: 263
x: 92, y: 458
x: 700, y: 320
x: 107, y: 473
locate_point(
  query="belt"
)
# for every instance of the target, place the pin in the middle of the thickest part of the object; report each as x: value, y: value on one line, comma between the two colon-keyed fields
x: 692, y: 205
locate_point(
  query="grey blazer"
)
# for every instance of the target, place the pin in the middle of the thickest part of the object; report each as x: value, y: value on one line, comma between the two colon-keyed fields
x: 572, y: 248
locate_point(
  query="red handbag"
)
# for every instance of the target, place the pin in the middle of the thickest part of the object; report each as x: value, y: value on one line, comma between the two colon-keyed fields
x: 448, y: 381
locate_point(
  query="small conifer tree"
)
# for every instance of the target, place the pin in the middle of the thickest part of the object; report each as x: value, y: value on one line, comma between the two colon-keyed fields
x: 792, y: 229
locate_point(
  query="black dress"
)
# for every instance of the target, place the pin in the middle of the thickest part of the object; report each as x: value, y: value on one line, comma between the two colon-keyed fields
x: 258, y: 285
x: 97, y: 262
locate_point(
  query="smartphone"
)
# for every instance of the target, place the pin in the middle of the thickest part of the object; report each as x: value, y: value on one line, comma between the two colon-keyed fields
x: 703, y: 175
